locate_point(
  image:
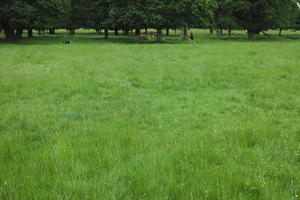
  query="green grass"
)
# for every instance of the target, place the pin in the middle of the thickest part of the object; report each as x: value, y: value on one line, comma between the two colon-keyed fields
x: 126, y: 119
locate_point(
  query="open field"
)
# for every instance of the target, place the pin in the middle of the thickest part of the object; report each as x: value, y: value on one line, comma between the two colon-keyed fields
x: 126, y: 119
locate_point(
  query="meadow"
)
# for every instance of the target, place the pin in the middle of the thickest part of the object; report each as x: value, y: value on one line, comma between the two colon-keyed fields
x: 125, y: 119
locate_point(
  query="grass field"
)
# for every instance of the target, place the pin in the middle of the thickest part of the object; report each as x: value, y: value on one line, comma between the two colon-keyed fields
x: 125, y: 119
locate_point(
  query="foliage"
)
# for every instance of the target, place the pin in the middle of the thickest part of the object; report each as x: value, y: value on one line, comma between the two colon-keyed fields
x: 297, y: 21
x: 129, y: 14
x: 251, y: 15
x: 223, y: 15
x: 16, y: 13
x: 258, y: 15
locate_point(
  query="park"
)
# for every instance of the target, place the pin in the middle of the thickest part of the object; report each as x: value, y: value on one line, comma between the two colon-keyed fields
x: 125, y: 105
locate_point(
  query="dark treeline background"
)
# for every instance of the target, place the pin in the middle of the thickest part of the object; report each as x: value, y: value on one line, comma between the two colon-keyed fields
x: 254, y: 16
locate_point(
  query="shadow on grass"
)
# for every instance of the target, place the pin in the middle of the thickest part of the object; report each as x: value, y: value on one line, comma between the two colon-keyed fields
x: 242, y: 36
x: 89, y: 38
x: 92, y: 38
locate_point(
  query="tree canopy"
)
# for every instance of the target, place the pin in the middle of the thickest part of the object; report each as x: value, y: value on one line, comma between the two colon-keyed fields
x: 251, y: 15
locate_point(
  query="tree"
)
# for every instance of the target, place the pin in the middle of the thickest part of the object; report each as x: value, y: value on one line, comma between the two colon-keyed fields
x: 297, y: 21
x: 189, y: 13
x: 156, y: 15
x: 258, y: 15
x: 105, y: 6
x: 286, y: 16
x: 223, y: 16
x: 46, y: 15
x: 128, y: 15
x: 137, y: 14
x: 183, y: 13
x: 93, y: 10
x: 15, y: 16
x: 73, y: 15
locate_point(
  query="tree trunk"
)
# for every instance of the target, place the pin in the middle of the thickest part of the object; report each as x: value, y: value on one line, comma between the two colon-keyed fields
x: 251, y: 34
x: 40, y: 32
x: 137, y: 31
x: 159, y: 35
x: 97, y: 31
x: 218, y: 34
x: 146, y: 30
x: 280, y: 30
x: 52, y: 31
x: 29, y: 33
x: 184, y: 33
x: 168, y: 32
x: 126, y: 31
x: 72, y: 31
x: 229, y: 32
x: 221, y: 30
x: 116, y: 31
x: 19, y: 33
x: 9, y: 34
x: 211, y: 30
x: 106, y: 33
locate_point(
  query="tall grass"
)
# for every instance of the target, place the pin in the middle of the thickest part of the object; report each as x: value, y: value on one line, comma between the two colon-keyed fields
x: 129, y: 119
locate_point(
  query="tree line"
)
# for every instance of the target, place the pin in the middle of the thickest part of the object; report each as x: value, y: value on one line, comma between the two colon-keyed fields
x: 254, y: 16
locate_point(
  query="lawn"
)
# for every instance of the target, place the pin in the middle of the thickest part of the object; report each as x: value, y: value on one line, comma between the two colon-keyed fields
x: 126, y: 119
